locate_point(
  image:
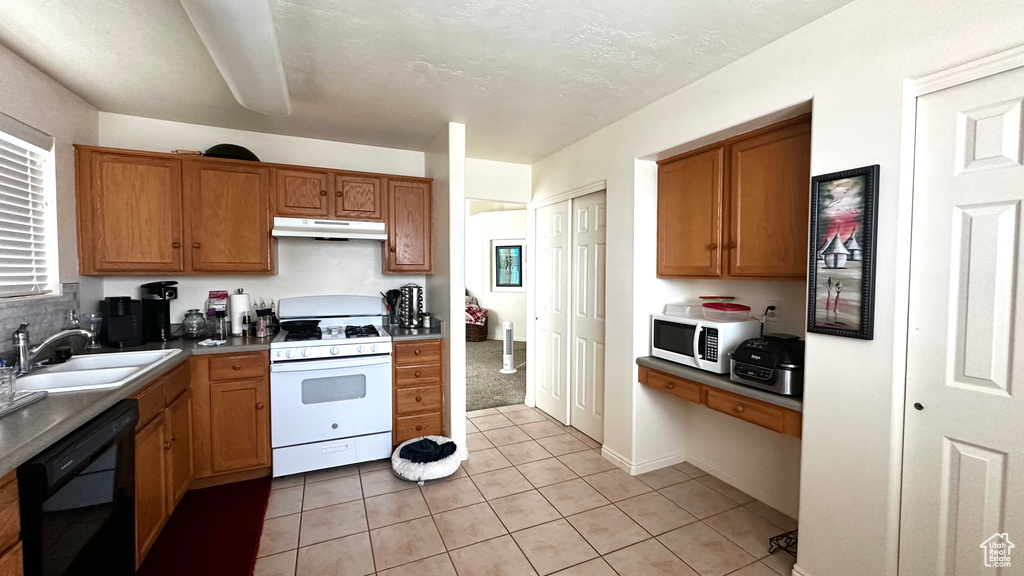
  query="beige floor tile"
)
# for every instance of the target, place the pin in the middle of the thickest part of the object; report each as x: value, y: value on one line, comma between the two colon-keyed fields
x: 587, y: 462
x: 485, y: 461
x: 690, y: 470
x: 648, y: 558
x: 498, y: 483
x: 332, y: 522
x: 331, y: 473
x: 503, y: 436
x: 334, y: 491
x: 662, y: 478
x: 288, y: 481
x: 382, y: 482
x: 697, y: 499
x: 545, y: 472
x: 524, y: 452
x: 617, y: 485
x: 607, y: 529
x: 497, y: 557
x: 483, y: 412
x: 279, y: 535
x: 440, y: 565
x: 746, y: 529
x: 460, y: 472
x: 573, y: 497
x: 375, y: 465
x: 705, y: 550
x: 562, y: 444
x: 449, y: 495
x: 526, y: 416
x: 348, y: 556
x: 470, y: 427
x: 538, y: 430
x: 595, y: 567
x: 491, y: 422
x: 282, y: 564
x: 513, y: 408
x: 477, y: 441
x: 553, y: 546
x: 395, y: 507
x: 772, y: 515
x: 524, y: 510
x: 781, y: 562
x: 726, y: 489
x: 284, y: 501
x: 655, y: 513
x: 469, y: 525
x: 406, y: 542
x: 756, y: 569
x: 590, y: 442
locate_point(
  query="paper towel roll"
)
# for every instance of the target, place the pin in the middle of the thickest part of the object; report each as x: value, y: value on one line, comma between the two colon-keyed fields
x: 239, y: 304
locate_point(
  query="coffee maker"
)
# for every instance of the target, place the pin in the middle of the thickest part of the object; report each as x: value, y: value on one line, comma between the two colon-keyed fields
x: 122, y: 322
x: 156, y: 310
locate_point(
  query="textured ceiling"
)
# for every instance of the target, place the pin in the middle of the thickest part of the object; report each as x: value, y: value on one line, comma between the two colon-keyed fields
x: 527, y: 77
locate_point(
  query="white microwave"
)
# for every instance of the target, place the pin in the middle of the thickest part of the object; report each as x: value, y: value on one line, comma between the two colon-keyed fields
x: 697, y: 342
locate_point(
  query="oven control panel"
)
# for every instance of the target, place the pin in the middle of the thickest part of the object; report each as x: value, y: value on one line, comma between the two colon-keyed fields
x: 329, y: 351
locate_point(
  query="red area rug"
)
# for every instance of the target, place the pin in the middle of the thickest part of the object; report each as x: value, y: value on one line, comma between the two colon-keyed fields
x: 213, y: 531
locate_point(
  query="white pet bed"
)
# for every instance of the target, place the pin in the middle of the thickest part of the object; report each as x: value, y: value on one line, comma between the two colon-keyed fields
x: 422, y: 471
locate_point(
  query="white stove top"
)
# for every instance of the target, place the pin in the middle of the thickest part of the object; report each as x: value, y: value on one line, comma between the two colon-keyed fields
x: 335, y: 315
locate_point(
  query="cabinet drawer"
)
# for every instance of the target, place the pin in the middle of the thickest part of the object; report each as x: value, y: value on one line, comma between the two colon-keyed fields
x: 152, y: 401
x: 177, y: 381
x: 766, y: 415
x: 418, y: 352
x: 237, y: 367
x: 408, y: 427
x: 680, y: 387
x: 413, y: 400
x: 417, y: 375
x: 10, y: 513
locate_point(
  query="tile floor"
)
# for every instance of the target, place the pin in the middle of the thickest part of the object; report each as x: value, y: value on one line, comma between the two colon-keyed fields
x: 535, y: 497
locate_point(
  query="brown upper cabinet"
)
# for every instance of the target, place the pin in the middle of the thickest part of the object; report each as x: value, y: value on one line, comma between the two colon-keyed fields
x: 739, y: 208
x: 409, y: 224
x: 324, y: 194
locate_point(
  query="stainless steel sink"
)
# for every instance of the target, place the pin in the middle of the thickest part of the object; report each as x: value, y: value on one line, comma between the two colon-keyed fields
x: 93, y: 372
x: 111, y: 360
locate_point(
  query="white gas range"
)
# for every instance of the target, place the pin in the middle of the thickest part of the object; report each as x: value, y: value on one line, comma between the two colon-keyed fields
x: 330, y: 383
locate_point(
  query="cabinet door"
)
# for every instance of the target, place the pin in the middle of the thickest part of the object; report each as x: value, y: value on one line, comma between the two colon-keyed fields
x: 151, y: 510
x: 357, y: 198
x: 770, y: 199
x: 228, y: 217
x: 129, y: 213
x: 409, y: 227
x: 179, y: 465
x: 239, y: 425
x: 301, y: 193
x: 690, y: 215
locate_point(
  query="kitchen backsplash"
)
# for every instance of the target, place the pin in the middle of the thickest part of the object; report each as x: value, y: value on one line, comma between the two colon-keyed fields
x: 46, y: 315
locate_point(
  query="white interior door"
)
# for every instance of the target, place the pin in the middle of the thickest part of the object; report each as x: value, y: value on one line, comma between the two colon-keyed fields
x: 963, y: 479
x: 586, y: 371
x: 552, y: 324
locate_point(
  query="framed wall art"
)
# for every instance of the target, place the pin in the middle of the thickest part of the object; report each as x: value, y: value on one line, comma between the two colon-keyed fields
x: 841, y: 280
x: 507, y: 266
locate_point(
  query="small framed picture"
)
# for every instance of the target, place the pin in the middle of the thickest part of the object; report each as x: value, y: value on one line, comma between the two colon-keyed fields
x: 507, y: 265
x: 841, y: 280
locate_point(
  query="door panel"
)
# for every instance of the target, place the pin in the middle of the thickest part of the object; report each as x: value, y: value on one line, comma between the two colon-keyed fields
x: 301, y: 193
x: 179, y: 468
x: 358, y: 198
x: 963, y: 481
x: 151, y: 510
x: 552, y: 285
x: 228, y: 217
x: 588, y: 318
x: 690, y: 215
x: 238, y: 423
x: 409, y: 227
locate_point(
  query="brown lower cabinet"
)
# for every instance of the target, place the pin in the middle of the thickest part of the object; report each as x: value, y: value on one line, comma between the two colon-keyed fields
x: 11, y: 559
x: 418, y: 401
x: 770, y: 416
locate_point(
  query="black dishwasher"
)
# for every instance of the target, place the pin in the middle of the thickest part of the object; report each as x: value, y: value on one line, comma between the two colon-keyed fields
x: 78, y: 499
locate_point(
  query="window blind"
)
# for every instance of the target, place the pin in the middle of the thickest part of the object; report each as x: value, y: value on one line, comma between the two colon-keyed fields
x: 23, y: 264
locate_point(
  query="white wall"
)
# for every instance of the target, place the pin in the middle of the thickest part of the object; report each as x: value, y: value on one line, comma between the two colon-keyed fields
x: 481, y: 229
x: 305, y: 267
x: 499, y: 181
x: 446, y: 164
x: 853, y: 65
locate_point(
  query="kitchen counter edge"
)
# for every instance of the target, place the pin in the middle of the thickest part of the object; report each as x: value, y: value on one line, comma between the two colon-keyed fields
x: 720, y: 381
x: 399, y: 334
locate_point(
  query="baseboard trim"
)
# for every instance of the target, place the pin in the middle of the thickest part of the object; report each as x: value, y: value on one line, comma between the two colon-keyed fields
x: 770, y: 498
x: 641, y: 468
x: 798, y: 571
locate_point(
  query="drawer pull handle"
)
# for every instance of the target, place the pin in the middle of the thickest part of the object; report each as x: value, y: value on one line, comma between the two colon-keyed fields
x: 417, y: 374
x: 167, y: 445
x: 416, y: 352
x: 174, y: 438
x: 236, y: 367
x: 732, y: 245
x: 196, y: 245
x: 740, y: 409
x: 419, y: 427
x: 338, y: 194
x: 671, y: 385
x: 323, y: 192
x: 259, y: 405
x: 419, y: 398
x: 392, y: 249
x: 175, y: 245
x: 712, y: 246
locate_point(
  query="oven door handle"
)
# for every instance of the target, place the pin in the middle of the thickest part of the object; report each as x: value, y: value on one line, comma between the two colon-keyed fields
x: 308, y: 365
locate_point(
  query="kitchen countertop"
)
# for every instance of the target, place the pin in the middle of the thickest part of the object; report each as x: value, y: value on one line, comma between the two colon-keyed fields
x: 720, y: 381
x: 29, y: 431
x: 399, y: 334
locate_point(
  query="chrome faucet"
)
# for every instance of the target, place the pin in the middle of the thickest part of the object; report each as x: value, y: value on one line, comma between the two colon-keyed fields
x: 27, y: 355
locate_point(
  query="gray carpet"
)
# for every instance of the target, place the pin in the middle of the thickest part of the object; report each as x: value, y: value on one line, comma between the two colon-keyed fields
x: 485, y: 386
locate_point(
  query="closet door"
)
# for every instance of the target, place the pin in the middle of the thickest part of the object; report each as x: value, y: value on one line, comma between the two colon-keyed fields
x: 589, y: 225
x: 552, y: 303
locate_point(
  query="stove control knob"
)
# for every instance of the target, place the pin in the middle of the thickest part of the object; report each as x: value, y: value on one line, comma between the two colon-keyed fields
x: 305, y: 352
x: 361, y: 349
x: 290, y: 353
x: 334, y: 351
x: 374, y: 348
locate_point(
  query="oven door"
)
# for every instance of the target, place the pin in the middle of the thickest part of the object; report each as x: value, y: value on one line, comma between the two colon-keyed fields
x: 316, y: 400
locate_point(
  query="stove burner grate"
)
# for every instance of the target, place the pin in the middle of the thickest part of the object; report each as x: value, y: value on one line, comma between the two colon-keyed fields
x: 301, y: 335
x: 367, y: 331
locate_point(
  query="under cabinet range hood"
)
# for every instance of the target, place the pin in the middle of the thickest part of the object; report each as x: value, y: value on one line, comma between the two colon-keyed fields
x: 328, y: 229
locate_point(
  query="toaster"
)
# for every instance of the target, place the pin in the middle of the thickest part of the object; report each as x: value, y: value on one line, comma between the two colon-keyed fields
x: 774, y: 363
